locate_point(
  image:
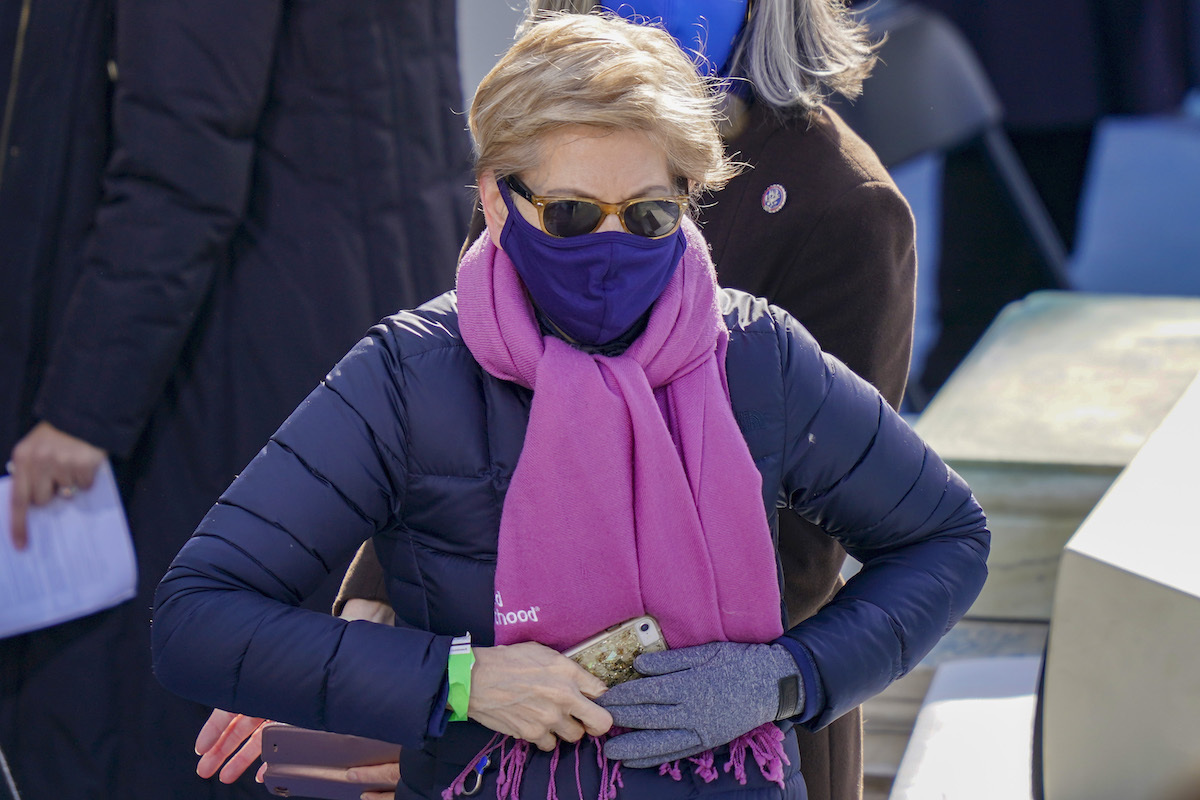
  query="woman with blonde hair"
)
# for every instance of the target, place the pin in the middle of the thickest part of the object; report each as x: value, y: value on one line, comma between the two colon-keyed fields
x: 815, y: 225
x: 588, y: 432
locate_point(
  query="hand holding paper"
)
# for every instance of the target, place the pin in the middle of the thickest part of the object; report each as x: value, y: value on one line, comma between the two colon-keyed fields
x: 47, y: 463
x: 79, y: 558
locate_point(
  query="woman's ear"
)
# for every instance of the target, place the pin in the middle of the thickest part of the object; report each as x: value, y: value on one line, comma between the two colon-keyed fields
x: 494, y: 211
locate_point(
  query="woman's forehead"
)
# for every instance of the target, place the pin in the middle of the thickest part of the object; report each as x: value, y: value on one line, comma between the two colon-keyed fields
x: 607, y: 164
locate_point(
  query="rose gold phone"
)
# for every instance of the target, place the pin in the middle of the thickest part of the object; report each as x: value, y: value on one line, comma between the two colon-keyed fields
x: 306, y: 763
x: 609, y: 654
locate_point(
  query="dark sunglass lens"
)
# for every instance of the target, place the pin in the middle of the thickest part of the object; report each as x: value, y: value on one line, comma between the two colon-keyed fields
x: 652, y: 218
x: 570, y: 217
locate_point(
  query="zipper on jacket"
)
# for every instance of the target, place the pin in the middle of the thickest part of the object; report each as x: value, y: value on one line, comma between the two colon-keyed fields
x: 14, y: 82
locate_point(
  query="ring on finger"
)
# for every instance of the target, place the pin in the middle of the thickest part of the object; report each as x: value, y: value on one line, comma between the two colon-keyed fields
x: 67, y: 492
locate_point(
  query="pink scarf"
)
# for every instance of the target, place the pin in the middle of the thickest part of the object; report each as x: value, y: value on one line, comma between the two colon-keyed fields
x: 635, y: 492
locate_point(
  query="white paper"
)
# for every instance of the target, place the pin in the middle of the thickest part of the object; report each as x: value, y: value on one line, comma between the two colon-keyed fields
x: 79, y: 559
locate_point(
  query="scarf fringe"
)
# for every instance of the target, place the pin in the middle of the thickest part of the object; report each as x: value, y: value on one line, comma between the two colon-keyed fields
x: 512, y: 770
x: 764, y: 744
x: 610, y: 771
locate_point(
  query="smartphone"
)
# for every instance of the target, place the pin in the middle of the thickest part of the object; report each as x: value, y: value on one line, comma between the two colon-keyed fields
x: 307, y: 763
x: 609, y: 654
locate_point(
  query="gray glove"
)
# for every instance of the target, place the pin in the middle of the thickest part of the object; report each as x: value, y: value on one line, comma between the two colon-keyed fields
x: 696, y: 698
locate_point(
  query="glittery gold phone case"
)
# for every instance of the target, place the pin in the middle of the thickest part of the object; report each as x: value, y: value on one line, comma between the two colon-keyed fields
x: 609, y: 655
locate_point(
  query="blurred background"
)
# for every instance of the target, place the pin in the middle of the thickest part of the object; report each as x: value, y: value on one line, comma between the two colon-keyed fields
x: 1040, y: 147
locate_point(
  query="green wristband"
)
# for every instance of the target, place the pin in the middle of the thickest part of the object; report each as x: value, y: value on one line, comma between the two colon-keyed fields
x: 458, y: 669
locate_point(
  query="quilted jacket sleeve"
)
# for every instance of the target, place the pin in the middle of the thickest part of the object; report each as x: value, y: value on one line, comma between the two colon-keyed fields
x: 855, y: 468
x: 191, y: 89
x: 227, y: 631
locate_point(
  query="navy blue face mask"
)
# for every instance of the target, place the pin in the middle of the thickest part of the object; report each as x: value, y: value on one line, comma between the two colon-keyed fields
x: 593, y: 287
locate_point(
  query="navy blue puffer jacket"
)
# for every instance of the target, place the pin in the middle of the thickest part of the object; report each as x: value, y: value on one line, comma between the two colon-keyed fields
x: 409, y: 441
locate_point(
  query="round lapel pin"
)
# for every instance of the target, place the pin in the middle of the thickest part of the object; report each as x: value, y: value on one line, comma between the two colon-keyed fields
x: 773, y: 198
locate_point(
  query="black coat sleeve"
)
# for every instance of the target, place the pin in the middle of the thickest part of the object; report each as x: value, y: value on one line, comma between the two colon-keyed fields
x: 193, y: 80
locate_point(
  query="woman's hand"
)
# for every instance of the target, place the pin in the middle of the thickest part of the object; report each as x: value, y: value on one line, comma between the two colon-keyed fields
x: 221, y: 735
x: 225, y: 731
x: 380, y: 773
x: 695, y: 698
x: 48, y: 462
x: 535, y: 693
x: 358, y: 608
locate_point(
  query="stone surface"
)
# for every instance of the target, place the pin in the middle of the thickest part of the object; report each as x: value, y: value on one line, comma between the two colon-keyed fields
x: 973, y: 738
x: 1122, y: 695
x: 1067, y: 378
x: 1040, y: 419
x: 1044, y: 413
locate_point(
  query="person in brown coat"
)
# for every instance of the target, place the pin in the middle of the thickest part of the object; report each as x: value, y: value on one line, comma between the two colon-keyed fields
x: 816, y: 226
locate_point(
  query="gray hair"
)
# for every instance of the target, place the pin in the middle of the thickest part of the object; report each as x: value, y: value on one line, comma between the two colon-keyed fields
x: 795, y: 53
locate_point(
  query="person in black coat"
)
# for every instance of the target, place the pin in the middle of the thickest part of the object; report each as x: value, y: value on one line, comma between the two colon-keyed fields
x: 281, y: 176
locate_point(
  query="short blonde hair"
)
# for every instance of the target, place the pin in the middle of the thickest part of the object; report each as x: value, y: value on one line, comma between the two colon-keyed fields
x: 597, y: 70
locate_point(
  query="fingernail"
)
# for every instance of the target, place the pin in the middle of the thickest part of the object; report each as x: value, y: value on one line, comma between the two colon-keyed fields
x: 352, y: 776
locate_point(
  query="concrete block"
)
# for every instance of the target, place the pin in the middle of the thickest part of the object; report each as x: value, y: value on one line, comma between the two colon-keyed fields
x: 1122, y: 694
x: 973, y: 736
